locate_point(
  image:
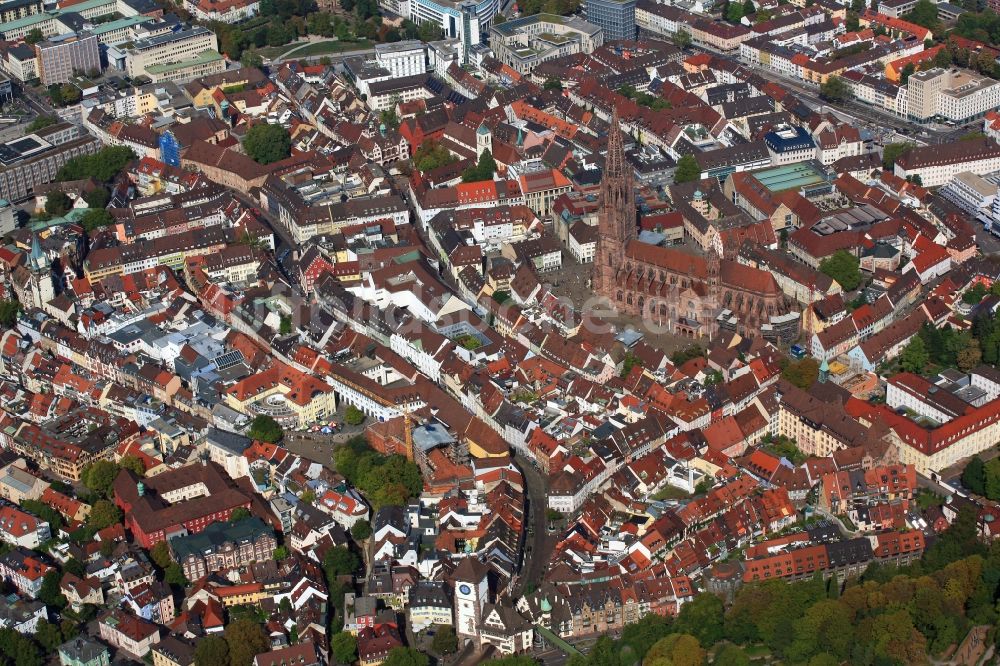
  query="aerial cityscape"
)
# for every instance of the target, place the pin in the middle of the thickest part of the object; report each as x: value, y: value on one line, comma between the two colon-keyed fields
x: 511, y: 332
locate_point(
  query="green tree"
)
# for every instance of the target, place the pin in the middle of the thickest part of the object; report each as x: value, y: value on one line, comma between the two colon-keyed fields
x: 914, y: 357
x: 404, y: 656
x: 702, y: 618
x: 160, y: 554
x: 676, y: 650
x: 991, y: 476
x: 239, y: 513
x: 748, y: 8
x: 483, y: 170
x: 731, y: 655
x: 361, y: 530
x: 843, y: 267
x: 266, y: 143
x: 340, y: 561
x: 687, y: 170
x: 353, y: 416
x: 57, y: 203
x: 734, y: 12
x: 445, y: 640
x: 924, y: 13
x: 99, y: 477
x: 835, y: 89
x: 41, y: 122
x: 48, y: 636
x: 265, y: 429
x: 803, y: 373
x: 9, y: 312
x: 974, y: 476
x: 246, y: 639
x: 103, y: 165
x: 430, y: 155
x: 104, y: 514
x: 211, y: 651
x: 281, y: 553
x: 75, y: 567
x: 682, y: 39
x: 34, y: 36
x: 133, y: 464
x: 49, y: 593
x: 97, y: 198
x: 907, y: 72
x: 69, y: 93
x: 95, y: 218
x: 45, y: 512
x: 429, y: 32
x: 893, y: 152
x: 552, y: 83
x: 344, y: 647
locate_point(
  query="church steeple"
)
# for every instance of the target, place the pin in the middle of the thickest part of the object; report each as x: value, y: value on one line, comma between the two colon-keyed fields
x: 616, y: 216
x: 617, y: 193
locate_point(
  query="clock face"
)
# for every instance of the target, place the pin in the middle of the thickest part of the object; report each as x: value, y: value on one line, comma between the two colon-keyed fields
x: 464, y: 589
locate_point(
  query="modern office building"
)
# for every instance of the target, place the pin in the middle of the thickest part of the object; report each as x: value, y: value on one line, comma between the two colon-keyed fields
x: 406, y: 58
x: 63, y: 57
x: 615, y: 17
x: 466, y: 20
x: 35, y: 159
x: 954, y: 94
x: 170, y: 48
x: 526, y: 42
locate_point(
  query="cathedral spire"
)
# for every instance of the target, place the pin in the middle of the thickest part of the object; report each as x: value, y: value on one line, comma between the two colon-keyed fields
x: 617, y: 186
x: 614, y: 164
x: 616, y: 219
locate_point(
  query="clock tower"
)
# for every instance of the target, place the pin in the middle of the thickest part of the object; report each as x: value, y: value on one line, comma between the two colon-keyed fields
x: 472, y: 593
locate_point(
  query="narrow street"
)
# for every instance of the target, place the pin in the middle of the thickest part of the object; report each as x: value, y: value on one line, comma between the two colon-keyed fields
x: 538, y: 543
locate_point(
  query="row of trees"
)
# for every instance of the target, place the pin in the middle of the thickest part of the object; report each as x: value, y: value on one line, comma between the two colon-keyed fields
x: 933, y: 349
x: 103, y: 165
x: 983, y: 478
x: 890, y: 616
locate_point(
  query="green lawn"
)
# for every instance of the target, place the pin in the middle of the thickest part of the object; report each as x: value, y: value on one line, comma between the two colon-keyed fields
x: 316, y: 48
x: 671, y: 493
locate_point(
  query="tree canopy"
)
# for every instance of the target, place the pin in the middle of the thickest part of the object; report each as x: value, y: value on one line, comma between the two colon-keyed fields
x: 893, y: 615
x: 843, y: 267
x: 803, y: 373
x: 892, y: 152
x: 266, y: 143
x: 385, y: 480
x: 835, y: 89
x: 264, y: 428
x: 344, y: 647
x: 687, y: 170
x: 430, y: 155
x: 484, y: 169
x: 103, y: 165
x: 57, y: 203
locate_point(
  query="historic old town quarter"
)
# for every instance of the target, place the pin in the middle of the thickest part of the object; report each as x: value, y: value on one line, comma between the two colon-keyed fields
x: 505, y: 332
